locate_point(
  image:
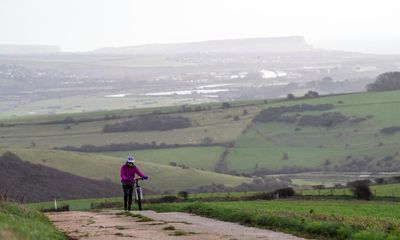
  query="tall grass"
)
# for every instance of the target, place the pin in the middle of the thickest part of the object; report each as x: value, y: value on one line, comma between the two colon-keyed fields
x: 18, y: 222
x: 298, y: 221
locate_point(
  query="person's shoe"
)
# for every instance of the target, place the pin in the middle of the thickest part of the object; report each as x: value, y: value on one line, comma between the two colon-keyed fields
x: 129, y: 208
x: 125, y: 209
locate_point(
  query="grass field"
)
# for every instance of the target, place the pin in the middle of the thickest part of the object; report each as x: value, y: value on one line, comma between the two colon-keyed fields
x: 206, y: 157
x: 88, y: 103
x: 264, y: 145
x: 386, y: 190
x: 95, y: 166
x: 213, y: 124
x: 314, y: 219
x: 19, y: 222
x: 260, y: 146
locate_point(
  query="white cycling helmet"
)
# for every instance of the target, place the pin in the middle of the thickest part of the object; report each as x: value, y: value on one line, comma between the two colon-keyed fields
x: 131, y: 159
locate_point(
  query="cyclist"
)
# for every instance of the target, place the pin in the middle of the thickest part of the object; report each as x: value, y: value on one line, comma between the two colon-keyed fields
x: 128, y: 171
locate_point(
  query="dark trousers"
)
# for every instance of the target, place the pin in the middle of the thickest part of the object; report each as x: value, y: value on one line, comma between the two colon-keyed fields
x: 128, y: 191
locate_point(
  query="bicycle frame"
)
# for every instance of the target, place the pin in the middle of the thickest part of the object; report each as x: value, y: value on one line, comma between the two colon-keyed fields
x: 138, y: 190
x: 138, y: 193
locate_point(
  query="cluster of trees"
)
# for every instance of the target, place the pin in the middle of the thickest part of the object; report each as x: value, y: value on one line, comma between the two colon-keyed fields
x: 130, y: 146
x: 309, y: 94
x: 185, y: 108
x: 390, y: 130
x: 150, y: 122
x: 258, y: 184
x: 272, y: 113
x: 329, y: 119
x: 388, y: 81
x: 276, y: 114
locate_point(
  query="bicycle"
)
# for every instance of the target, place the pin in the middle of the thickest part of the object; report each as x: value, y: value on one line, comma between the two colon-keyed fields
x: 138, y: 193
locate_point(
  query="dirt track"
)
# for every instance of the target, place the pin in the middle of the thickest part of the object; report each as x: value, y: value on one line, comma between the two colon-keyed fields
x: 113, y: 225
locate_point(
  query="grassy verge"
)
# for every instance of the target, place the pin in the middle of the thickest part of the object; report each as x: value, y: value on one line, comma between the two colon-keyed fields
x: 18, y: 222
x: 384, y: 190
x: 93, y: 203
x: 316, y: 219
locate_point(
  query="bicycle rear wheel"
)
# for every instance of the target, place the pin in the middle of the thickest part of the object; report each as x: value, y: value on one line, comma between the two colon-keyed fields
x: 139, y: 198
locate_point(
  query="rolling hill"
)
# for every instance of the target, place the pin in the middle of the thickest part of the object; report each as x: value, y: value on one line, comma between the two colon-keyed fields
x: 329, y: 134
x: 350, y: 139
x: 99, y: 167
x: 26, y: 182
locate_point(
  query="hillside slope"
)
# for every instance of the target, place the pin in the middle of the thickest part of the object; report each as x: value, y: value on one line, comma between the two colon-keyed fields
x: 26, y: 182
x: 94, y: 166
x: 346, y: 136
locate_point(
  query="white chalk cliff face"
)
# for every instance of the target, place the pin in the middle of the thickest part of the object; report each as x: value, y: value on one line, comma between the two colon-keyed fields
x: 247, y: 45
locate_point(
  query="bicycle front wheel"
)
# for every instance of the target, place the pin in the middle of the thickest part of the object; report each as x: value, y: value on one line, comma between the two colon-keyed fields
x: 139, y: 198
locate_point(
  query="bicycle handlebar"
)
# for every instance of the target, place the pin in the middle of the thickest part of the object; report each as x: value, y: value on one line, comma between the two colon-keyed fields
x: 137, y: 179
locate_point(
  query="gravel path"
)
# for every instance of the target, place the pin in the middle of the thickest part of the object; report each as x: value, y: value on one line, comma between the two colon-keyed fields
x: 149, y: 225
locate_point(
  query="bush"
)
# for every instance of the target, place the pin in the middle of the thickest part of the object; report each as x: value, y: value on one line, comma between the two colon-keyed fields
x: 361, y: 190
x: 173, y: 164
x: 388, y: 81
x: 226, y: 105
x: 183, y: 194
x: 290, y: 96
x: 284, y: 192
x: 311, y: 94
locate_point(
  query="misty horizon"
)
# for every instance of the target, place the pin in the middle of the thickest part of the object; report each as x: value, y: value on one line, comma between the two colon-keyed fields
x: 76, y: 26
x: 359, y: 48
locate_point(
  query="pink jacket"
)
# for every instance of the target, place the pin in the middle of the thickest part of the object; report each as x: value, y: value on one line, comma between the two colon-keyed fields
x: 128, y: 174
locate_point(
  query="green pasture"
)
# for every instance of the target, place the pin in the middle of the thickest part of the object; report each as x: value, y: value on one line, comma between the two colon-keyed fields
x: 204, y: 158
x: 95, y: 166
x: 214, y: 124
x: 385, y: 190
x: 312, y: 219
x: 264, y: 145
x: 88, y: 103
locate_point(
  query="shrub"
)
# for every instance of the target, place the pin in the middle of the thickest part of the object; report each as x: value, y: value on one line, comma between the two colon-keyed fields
x: 284, y: 192
x: 173, y: 164
x: 388, y: 81
x: 311, y: 94
x: 361, y: 190
x: 290, y: 96
x: 183, y: 194
x: 226, y: 105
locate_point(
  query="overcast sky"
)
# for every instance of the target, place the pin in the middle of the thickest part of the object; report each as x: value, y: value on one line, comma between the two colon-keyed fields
x: 80, y: 25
